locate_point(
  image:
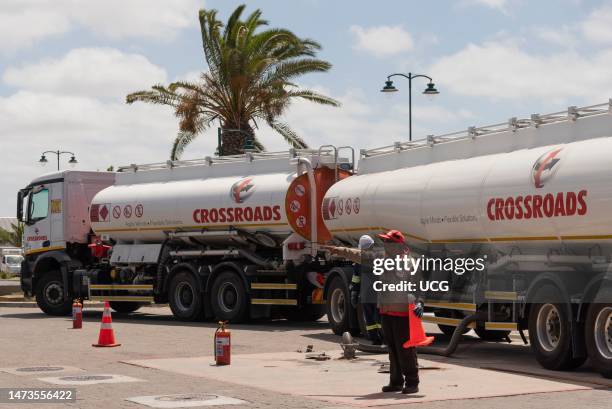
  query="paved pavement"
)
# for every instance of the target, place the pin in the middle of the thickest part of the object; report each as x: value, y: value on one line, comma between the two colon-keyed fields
x: 9, y: 286
x: 163, y: 356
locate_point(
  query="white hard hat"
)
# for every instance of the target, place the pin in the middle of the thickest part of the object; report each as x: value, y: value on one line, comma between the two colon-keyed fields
x: 365, y: 242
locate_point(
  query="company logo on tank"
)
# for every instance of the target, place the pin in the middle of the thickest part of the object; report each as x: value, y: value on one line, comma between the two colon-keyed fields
x: 540, y: 205
x: 240, y: 191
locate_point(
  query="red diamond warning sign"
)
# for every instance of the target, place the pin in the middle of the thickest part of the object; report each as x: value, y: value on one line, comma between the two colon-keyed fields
x: 103, y: 213
x: 99, y: 212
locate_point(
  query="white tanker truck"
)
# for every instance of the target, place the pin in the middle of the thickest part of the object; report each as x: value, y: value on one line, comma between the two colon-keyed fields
x: 238, y: 237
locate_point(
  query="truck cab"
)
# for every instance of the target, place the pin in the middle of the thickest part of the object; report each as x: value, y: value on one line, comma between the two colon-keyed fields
x: 54, y: 209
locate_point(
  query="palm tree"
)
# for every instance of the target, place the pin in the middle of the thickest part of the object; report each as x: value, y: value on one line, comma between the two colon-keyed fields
x: 250, y: 79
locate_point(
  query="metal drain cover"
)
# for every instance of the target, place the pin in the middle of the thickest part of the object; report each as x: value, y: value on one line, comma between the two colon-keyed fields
x: 89, y: 379
x: 41, y: 369
x: 186, y: 400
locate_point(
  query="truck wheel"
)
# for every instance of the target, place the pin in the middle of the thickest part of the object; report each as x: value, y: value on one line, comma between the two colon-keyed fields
x: 125, y: 307
x: 229, y: 298
x: 489, y: 335
x: 549, y: 331
x: 184, y: 297
x: 598, y: 334
x: 449, y: 330
x: 51, y: 296
x: 338, y: 305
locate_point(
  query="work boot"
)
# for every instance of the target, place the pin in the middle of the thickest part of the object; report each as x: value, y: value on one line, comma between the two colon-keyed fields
x: 409, y: 389
x: 391, y: 388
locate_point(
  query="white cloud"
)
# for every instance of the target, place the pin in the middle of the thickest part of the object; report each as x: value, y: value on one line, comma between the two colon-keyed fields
x: 494, y: 4
x: 100, y: 133
x: 597, y: 27
x: 564, y: 36
x: 505, y: 71
x: 382, y: 41
x: 436, y: 113
x: 23, y: 27
x: 101, y: 72
x: 24, y: 22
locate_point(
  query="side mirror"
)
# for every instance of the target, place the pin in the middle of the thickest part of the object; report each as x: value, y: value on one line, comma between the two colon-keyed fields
x: 20, y: 205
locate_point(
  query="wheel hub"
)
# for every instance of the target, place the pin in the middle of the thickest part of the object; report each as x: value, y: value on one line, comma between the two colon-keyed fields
x: 184, y: 296
x: 603, y: 332
x: 549, y: 327
x: 54, y: 293
x: 228, y: 297
x: 338, y: 305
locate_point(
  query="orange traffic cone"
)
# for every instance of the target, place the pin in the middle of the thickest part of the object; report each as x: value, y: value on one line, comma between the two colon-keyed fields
x: 107, y: 335
x: 417, y: 333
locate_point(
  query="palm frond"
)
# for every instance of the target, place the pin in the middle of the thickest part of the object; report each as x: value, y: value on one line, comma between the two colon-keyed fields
x: 314, y: 97
x: 180, y: 142
x: 289, y: 135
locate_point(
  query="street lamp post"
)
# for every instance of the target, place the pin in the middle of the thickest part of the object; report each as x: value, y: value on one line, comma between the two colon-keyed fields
x: 430, y: 90
x: 43, y: 159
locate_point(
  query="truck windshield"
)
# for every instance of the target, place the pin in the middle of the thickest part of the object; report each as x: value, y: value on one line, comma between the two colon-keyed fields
x: 39, y: 205
x: 13, y: 259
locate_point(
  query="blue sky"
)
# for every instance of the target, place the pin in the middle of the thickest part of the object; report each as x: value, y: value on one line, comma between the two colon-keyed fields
x: 66, y: 65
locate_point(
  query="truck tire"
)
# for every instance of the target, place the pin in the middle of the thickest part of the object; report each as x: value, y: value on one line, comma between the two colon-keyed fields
x: 549, y: 331
x: 598, y: 337
x: 124, y: 307
x: 488, y: 335
x: 338, y: 306
x: 50, y: 295
x: 228, y: 298
x: 306, y: 313
x: 185, y: 298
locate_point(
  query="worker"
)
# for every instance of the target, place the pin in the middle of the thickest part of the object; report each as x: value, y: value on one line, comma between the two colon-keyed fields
x: 362, y: 291
x: 394, y: 307
x: 361, y: 286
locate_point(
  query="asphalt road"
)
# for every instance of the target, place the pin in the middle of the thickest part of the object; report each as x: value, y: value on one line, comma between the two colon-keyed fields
x: 29, y: 338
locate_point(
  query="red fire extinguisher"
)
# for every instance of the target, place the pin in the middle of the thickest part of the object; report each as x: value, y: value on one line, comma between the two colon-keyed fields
x: 77, y: 314
x: 223, y: 344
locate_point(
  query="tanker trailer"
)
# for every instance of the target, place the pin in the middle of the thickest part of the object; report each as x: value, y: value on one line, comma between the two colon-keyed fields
x: 531, y: 199
x: 228, y: 237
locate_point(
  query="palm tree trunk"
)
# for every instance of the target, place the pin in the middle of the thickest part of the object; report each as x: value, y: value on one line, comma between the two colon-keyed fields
x: 234, y: 138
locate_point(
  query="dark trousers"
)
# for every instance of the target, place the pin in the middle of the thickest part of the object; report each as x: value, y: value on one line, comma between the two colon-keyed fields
x: 372, y: 321
x: 404, y: 366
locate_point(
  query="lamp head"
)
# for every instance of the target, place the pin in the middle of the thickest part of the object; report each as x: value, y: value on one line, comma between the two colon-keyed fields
x: 431, y: 90
x: 389, y: 87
